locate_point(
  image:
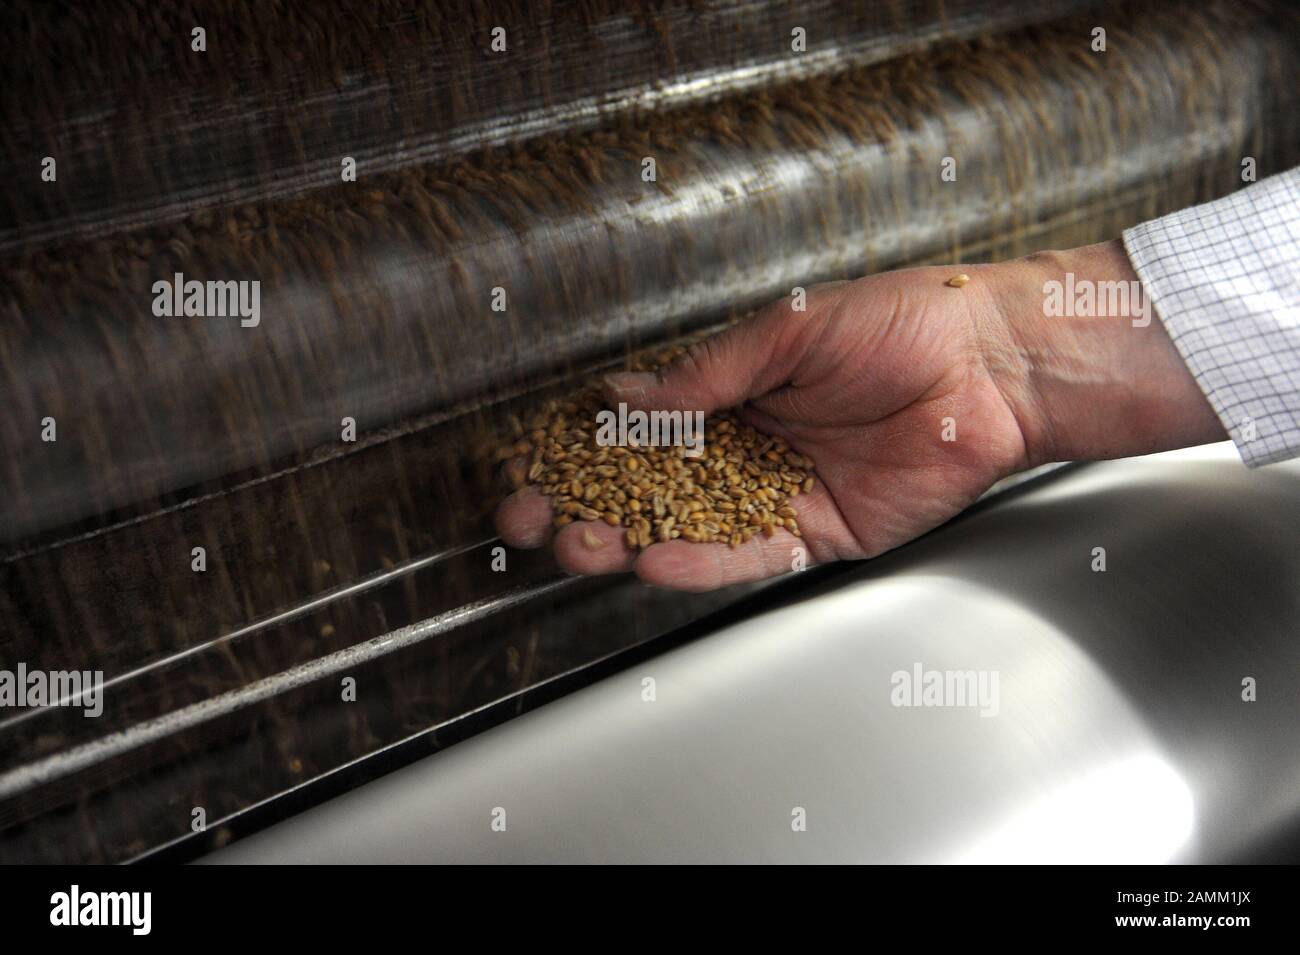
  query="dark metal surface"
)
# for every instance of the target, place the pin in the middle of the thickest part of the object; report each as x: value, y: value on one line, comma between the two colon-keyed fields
x: 251, y: 717
x: 378, y: 294
x: 285, y: 89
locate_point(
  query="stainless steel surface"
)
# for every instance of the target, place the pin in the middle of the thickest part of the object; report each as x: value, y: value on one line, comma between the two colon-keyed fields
x: 1120, y: 732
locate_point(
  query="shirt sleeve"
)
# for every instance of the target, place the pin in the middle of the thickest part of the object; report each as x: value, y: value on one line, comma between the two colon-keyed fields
x: 1224, y: 278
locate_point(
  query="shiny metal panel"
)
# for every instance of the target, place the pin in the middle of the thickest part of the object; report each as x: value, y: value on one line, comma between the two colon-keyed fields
x: 1118, y: 732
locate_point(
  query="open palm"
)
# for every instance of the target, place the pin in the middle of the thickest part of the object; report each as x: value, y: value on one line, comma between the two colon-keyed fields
x: 885, y: 382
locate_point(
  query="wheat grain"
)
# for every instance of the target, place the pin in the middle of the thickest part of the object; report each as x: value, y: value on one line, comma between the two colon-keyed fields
x: 741, y: 486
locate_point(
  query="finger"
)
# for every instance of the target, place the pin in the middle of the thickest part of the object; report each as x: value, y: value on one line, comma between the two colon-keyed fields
x: 745, y: 361
x: 592, y: 547
x: 683, y: 565
x: 758, y: 415
x: 524, y: 518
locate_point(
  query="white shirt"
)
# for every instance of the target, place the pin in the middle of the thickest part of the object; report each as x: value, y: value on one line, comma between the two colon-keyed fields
x: 1224, y: 278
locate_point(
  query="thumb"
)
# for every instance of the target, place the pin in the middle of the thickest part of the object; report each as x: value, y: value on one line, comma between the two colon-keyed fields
x: 740, y: 363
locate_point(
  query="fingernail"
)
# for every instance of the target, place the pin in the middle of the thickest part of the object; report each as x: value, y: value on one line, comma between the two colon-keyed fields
x: 630, y: 382
x: 517, y: 472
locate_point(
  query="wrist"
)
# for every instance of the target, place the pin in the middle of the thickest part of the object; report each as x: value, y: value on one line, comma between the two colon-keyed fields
x: 1085, y: 365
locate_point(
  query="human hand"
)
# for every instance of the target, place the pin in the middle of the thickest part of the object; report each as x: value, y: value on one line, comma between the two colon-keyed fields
x: 912, y: 397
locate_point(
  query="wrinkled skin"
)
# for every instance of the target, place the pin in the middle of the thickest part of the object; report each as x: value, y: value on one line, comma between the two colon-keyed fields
x: 868, y: 381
